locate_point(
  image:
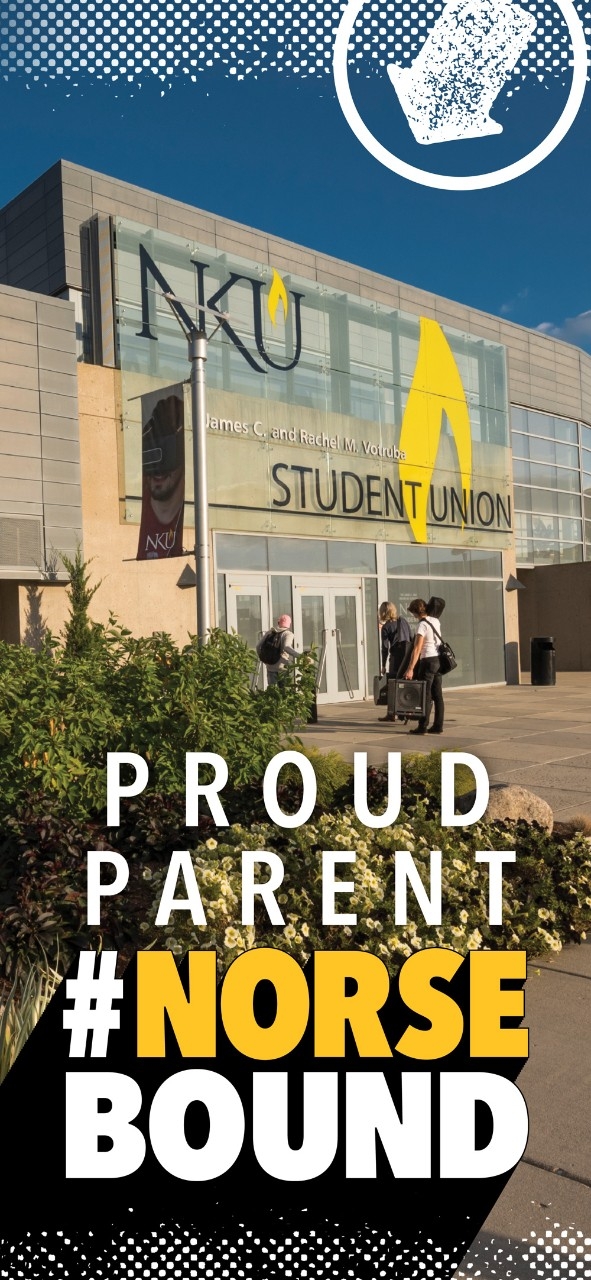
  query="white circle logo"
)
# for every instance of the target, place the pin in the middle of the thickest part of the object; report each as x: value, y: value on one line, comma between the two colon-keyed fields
x: 454, y: 182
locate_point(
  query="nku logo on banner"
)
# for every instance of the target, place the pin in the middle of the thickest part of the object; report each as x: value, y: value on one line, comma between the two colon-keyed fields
x: 277, y: 294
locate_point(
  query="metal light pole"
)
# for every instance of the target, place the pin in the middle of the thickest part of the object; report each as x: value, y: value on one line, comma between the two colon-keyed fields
x: 197, y: 357
x: 197, y: 340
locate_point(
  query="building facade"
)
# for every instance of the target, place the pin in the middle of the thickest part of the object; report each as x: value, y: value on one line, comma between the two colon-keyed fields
x: 366, y: 440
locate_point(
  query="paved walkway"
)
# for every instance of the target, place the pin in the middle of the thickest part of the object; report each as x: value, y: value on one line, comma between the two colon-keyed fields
x: 537, y: 737
x: 541, y: 739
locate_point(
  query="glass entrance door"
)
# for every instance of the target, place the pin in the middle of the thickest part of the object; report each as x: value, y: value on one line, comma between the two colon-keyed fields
x: 331, y: 619
x: 247, y: 605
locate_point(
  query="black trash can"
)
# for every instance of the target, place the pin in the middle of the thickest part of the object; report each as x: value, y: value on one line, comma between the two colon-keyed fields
x: 543, y: 660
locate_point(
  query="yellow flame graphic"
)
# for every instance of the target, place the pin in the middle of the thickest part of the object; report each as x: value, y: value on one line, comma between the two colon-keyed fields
x: 277, y: 294
x: 436, y: 387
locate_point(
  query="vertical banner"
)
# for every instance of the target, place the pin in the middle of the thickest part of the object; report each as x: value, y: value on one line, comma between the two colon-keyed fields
x: 163, y: 474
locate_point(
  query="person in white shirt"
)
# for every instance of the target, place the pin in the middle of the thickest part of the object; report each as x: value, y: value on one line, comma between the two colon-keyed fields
x: 424, y: 665
x: 288, y: 649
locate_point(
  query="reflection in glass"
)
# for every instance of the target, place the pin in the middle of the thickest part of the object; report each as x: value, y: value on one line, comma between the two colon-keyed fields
x: 249, y: 622
x: 348, y: 656
x: 304, y: 555
x: 351, y: 557
x: 408, y: 560
x: 241, y: 552
x: 372, y: 631
x: 281, y: 599
x: 313, y: 626
x: 222, y: 615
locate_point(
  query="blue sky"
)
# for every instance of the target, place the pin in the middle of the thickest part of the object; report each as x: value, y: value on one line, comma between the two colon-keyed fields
x: 273, y: 150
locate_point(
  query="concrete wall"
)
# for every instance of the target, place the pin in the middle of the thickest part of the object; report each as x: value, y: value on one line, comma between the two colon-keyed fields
x: 557, y: 602
x: 40, y: 249
x: 40, y: 495
x: 142, y: 594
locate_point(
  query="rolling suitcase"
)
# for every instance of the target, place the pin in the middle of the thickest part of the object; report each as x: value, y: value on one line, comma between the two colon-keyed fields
x: 380, y: 690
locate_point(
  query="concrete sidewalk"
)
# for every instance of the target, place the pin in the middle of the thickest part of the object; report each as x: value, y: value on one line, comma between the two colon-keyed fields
x: 547, y: 1202
x: 541, y: 739
x: 537, y: 737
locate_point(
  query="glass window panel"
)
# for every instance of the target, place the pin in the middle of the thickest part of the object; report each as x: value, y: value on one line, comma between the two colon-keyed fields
x: 542, y: 450
x: 485, y: 564
x: 447, y: 561
x: 489, y: 628
x: 585, y: 436
x: 313, y: 629
x: 407, y: 559
x: 544, y: 526
x: 557, y: 553
x: 565, y: 429
x: 372, y: 631
x: 544, y: 424
x: 552, y: 501
x: 588, y: 539
x: 520, y: 445
x: 300, y: 555
x: 351, y: 557
x: 249, y: 622
x: 281, y: 598
x: 567, y: 455
x: 523, y: 497
x: 521, y: 472
x: 524, y: 551
x: 587, y: 506
x: 554, y: 477
x: 457, y: 627
x: 241, y: 551
x: 348, y: 657
x: 586, y: 460
x: 586, y: 482
x: 518, y: 418
x: 570, y: 553
x: 569, y: 530
x: 222, y: 616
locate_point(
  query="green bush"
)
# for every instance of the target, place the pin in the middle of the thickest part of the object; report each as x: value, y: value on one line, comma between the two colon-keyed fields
x: 333, y: 779
x: 61, y: 711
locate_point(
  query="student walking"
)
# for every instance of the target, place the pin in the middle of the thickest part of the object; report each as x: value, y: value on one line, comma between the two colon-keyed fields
x: 424, y: 665
x: 276, y: 649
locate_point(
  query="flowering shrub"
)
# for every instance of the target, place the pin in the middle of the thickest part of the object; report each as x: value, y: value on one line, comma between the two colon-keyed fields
x: 546, y: 901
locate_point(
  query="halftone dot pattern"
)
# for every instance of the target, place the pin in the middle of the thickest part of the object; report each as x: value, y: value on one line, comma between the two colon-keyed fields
x: 233, y: 1253
x: 135, y: 39
x: 308, y: 1254
x: 560, y: 1252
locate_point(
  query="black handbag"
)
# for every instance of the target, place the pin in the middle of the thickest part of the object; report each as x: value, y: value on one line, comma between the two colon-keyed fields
x: 445, y: 653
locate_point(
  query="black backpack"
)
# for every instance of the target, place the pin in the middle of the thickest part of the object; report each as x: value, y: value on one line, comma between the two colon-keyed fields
x: 270, y: 647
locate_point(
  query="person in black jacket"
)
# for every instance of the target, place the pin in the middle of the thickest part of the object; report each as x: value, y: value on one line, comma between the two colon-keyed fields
x: 396, y: 644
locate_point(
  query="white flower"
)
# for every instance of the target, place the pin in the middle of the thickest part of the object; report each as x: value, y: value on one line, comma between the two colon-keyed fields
x: 211, y: 843
x: 232, y: 937
x: 146, y: 874
x: 464, y: 916
x: 289, y: 932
